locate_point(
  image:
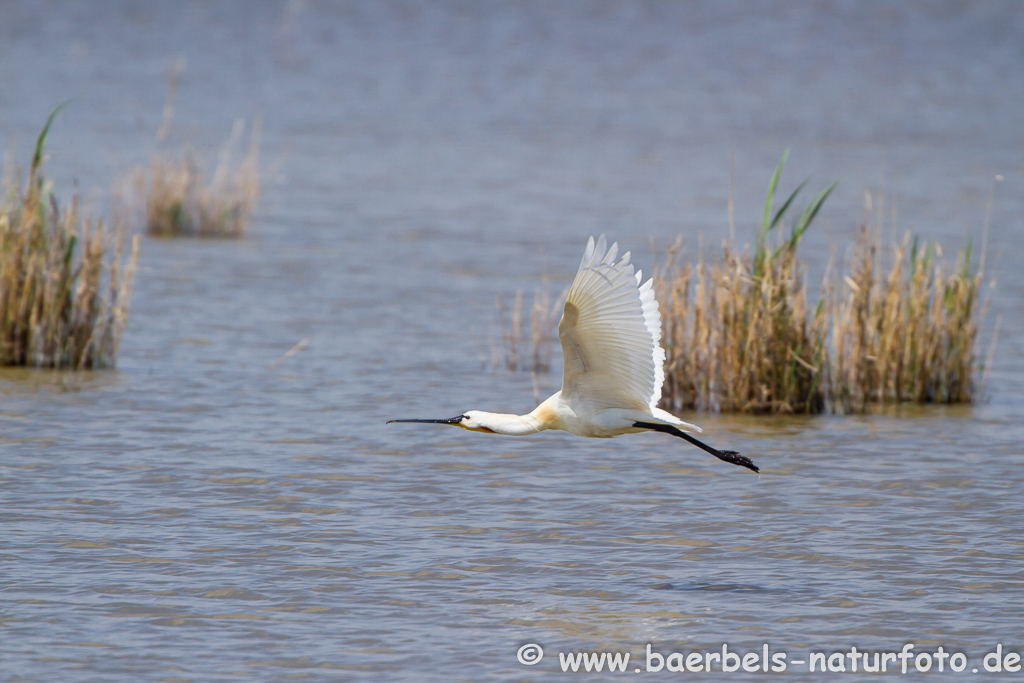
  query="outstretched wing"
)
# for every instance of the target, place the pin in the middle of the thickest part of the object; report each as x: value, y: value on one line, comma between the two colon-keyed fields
x: 610, y: 330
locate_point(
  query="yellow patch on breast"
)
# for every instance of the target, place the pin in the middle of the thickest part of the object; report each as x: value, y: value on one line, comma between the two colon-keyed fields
x: 546, y: 415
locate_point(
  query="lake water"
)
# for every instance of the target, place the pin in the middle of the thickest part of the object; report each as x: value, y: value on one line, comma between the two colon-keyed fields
x: 198, y: 516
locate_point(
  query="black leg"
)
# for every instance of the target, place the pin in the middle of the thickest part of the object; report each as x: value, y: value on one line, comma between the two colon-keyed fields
x: 728, y: 456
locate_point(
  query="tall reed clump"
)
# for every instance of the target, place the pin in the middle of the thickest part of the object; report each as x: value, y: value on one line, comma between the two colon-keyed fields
x: 180, y: 201
x: 65, y: 285
x: 742, y: 335
x: 739, y: 333
x: 904, y: 330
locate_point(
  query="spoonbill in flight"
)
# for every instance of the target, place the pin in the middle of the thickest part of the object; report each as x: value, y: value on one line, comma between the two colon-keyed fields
x: 613, y: 363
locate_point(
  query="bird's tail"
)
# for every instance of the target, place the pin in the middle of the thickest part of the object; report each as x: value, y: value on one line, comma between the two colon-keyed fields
x: 669, y: 418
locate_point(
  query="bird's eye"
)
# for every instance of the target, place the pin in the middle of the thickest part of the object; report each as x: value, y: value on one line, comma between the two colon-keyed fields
x: 463, y: 417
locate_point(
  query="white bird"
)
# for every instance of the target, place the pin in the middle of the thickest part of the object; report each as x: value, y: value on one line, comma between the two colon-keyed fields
x: 613, y: 363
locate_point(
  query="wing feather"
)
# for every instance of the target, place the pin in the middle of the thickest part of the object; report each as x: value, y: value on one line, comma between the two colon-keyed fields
x: 610, y: 333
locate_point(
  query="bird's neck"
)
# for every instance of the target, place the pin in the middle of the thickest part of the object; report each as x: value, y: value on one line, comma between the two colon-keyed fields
x: 511, y: 425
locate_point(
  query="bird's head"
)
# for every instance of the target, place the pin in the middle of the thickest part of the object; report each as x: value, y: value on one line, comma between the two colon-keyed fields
x: 473, y: 420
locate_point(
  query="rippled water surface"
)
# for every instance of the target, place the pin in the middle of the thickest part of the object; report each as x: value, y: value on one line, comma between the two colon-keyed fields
x: 199, y: 515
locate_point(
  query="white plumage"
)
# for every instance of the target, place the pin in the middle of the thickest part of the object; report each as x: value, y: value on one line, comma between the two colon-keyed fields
x: 613, y: 363
x: 610, y: 330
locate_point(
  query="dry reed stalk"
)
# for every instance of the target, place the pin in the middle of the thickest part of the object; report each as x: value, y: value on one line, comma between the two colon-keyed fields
x: 522, y: 350
x: 63, y: 298
x: 181, y: 202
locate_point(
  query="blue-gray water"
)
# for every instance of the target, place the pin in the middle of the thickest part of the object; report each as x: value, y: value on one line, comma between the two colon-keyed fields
x: 196, y: 516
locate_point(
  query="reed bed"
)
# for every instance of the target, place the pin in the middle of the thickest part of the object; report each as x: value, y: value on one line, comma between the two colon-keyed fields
x: 904, y: 325
x: 65, y: 282
x: 181, y: 201
x: 736, y: 341
x: 742, y: 334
